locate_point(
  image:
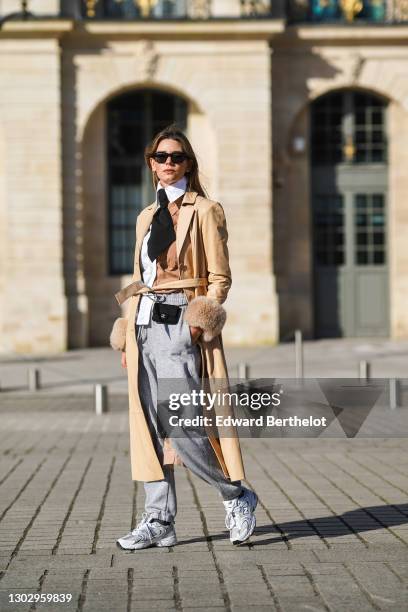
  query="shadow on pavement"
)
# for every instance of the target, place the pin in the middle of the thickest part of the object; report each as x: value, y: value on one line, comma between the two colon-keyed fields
x: 352, y: 522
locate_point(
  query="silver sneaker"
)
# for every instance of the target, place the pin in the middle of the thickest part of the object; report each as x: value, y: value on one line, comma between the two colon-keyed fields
x: 240, y: 518
x: 148, y: 533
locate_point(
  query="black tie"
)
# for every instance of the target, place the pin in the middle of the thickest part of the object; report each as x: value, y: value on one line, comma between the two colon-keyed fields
x: 162, y: 232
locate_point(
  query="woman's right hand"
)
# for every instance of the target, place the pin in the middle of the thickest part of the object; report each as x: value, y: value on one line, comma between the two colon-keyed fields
x: 123, y: 360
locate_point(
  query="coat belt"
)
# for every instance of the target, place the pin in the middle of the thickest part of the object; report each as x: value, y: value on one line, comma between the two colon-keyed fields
x: 138, y: 287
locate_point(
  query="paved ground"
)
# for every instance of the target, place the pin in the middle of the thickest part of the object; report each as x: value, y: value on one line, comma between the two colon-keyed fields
x: 332, y: 528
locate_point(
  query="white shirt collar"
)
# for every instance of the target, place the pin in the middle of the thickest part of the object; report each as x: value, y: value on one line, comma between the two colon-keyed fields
x: 174, y: 191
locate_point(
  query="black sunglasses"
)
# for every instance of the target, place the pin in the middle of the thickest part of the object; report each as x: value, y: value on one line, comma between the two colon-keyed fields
x: 177, y: 157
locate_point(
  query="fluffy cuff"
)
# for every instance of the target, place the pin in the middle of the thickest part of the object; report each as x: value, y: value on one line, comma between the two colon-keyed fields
x: 206, y: 313
x: 118, y: 334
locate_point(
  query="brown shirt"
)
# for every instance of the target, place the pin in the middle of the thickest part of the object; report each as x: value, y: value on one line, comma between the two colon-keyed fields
x: 167, y: 263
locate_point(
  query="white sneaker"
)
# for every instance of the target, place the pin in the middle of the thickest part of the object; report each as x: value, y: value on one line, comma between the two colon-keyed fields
x: 240, y: 518
x: 149, y: 532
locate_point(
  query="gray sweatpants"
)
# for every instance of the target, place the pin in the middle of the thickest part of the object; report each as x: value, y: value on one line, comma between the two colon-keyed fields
x: 166, y: 352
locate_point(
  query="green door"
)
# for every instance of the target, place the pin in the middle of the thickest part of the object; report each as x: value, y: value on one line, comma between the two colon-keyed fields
x: 349, y: 212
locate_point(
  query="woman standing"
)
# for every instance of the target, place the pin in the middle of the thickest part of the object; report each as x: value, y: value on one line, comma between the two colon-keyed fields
x: 173, y: 331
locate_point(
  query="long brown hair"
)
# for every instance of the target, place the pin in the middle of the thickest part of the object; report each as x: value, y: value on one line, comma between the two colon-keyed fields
x: 175, y: 133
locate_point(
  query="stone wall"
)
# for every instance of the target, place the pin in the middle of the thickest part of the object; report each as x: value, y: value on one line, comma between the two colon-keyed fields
x: 54, y: 288
x: 227, y: 84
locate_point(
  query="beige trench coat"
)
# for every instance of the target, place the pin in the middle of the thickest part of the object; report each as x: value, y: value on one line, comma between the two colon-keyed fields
x: 201, y: 245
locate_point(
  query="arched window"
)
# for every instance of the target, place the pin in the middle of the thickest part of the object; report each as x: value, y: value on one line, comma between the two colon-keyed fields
x: 348, y: 127
x: 132, y: 121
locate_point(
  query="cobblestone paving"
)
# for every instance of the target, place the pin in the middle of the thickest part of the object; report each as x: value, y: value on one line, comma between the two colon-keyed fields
x: 332, y: 524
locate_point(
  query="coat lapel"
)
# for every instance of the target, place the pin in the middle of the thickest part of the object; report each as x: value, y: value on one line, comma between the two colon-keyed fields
x: 144, y: 227
x: 185, y: 215
x: 184, y: 219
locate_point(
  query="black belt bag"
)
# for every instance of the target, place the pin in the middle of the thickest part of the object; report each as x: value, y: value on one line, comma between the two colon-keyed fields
x: 166, y: 313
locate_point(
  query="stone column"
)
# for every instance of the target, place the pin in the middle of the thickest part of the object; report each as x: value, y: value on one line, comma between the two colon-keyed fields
x: 242, y: 123
x: 398, y: 219
x: 32, y: 301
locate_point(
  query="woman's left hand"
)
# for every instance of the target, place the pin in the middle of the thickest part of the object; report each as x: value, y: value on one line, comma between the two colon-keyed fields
x: 195, y: 333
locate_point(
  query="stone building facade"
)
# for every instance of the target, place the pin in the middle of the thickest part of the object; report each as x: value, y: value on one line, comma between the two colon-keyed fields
x: 301, y: 133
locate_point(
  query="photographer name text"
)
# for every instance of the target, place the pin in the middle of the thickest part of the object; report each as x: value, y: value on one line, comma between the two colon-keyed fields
x: 260, y: 421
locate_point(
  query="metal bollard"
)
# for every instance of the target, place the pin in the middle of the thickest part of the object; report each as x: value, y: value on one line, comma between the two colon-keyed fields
x: 34, y: 381
x: 101, y: 399
x: 395, y: 393
x: 243, y: 371
x: 364, y: 370
x: 299, y: 353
